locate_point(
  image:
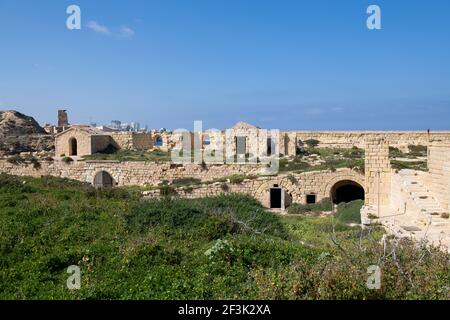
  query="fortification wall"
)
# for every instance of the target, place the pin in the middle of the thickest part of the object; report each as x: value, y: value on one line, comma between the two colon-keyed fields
x: 296, y: 186
x: 133, y: 140
x: 128, y: 173
x: 348, y: 139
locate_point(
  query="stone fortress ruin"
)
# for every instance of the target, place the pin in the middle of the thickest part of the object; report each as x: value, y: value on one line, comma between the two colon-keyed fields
x: 408, y: 202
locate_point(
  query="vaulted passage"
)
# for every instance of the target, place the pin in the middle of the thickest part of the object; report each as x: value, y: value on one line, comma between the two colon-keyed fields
x: 346, y: 191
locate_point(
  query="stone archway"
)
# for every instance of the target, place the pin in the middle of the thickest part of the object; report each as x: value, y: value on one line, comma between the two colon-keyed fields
x: 346, y: 191
x: 343, y: 179
x: 267, y: 192
x: 103, y: 179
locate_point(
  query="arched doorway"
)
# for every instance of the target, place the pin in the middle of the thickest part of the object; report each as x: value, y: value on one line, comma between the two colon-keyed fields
x: 158, y: 141
x: 346, y: 191
x: 103, y: 180
x: 73, y: 147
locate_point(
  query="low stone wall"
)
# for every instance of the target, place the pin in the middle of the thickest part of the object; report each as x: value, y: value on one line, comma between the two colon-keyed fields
x: 128, y: 173
x: 133, y: 140
x: 347, y: 139
x: 296, y: 186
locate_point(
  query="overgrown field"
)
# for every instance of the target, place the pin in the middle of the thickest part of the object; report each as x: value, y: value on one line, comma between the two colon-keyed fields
x: 213, y: 248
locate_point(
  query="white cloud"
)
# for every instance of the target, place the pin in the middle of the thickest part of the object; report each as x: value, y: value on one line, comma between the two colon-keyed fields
x: 126, y: 32
x: 96, y: 27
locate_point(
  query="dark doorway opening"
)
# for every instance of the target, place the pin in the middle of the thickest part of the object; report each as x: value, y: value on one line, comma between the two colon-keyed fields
x: 73, y: 148
x: 275, y: 198
x: 269, y: 146
x: 241, y: 146
x: 311, y: 198
x: 346, y: 191
x: 103, y: 180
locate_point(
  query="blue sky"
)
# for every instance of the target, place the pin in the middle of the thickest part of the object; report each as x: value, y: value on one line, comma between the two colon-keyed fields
x: 305, y: 65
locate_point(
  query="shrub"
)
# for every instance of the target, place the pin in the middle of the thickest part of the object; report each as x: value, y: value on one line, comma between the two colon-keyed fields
x: 67, y: 160
x: 167, y: 191
x: 236, y: 178
x: 417, y: 150
x: 350, y: 212
x: 186, y: 182
x: 312, y: 143
x: 16, y: 159
x: 323, y: 205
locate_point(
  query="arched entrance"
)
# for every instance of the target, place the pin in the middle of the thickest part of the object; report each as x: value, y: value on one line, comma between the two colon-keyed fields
x: 159, y: 141
x: 73, y: 147
x: 346, y: 191
x: 103, y: 180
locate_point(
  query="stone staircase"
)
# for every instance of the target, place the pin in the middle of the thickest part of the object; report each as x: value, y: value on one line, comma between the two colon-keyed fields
x: 427, y: 205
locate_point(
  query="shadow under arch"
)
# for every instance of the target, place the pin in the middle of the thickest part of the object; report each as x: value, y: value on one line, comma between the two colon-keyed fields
x: 346, y: 191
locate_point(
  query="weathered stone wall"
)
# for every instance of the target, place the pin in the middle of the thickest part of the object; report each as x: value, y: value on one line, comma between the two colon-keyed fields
x: 99, y: 143
x: 439, y: 173
x: 62, y: 143
x: 347, y: 139
x: 256, y: 141
x: 129, y: 173
x: 295, y: 186
x: 377, y: 173
x: 133, y: 140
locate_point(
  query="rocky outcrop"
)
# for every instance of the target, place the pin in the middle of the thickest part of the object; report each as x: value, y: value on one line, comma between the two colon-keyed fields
x: 21, y: 133
x: 14, y: 123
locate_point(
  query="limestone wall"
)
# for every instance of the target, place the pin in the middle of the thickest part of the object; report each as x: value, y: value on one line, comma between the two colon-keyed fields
x: 439, y: 173
x: 295, y: 186
x: 129, y: 173
x: 133, y: 140
x: 348, y: 139
x: 99, y: 143
x: 83, y: 142
x: 377, y: 173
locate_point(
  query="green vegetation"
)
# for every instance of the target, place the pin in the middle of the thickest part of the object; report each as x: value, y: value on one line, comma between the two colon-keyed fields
x: 318, y: 207
x: 131, y: 155
x: 330, y: 159
x: 186, y: 182
x: 67, y: 160
x: 417, y: 150
x: 346, y: 212
x: 414, y: 165
x: 227, y: 247
x: 349, y: 212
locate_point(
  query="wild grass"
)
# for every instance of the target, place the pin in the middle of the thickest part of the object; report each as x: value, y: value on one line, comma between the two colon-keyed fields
x: 226, y: 247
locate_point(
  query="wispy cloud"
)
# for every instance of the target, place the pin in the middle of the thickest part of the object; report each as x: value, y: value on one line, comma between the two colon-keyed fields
x: 96, y: 27
x: 126, y: 32
x: 123, y: 32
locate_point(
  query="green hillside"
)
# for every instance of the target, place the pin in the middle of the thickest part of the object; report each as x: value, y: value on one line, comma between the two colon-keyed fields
x: 225, y: 247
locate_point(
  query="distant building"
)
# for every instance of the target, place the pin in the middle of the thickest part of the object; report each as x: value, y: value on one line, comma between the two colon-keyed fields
x: 81, y: 140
